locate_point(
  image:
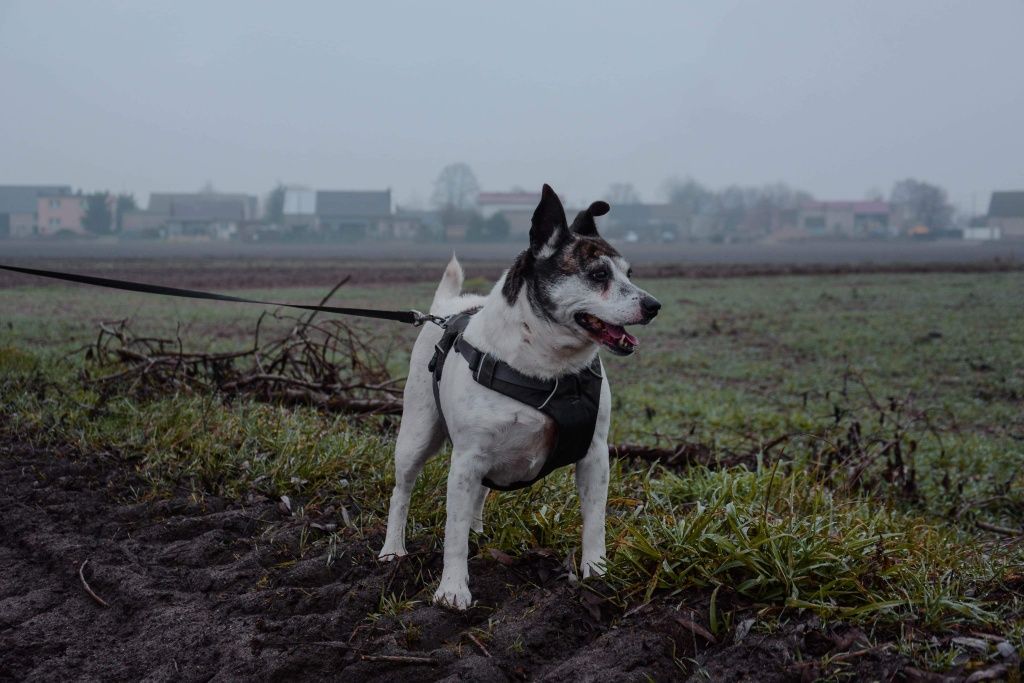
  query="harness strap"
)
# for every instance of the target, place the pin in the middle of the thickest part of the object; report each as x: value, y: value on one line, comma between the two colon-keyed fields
x: 487, y: 370
x: 408, y: 317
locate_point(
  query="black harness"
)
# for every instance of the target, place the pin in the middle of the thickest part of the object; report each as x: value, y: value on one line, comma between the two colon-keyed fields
x: 571, y: 401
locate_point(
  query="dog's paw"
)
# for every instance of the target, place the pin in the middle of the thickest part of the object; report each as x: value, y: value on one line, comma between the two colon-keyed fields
x: 391, y: 554
x: 455, y: 596
x: 593, y: 567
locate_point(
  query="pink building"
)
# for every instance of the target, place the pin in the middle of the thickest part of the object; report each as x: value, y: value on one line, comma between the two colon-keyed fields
x: 517, y: 207
x: 56, y: 213
x: 491, y: 203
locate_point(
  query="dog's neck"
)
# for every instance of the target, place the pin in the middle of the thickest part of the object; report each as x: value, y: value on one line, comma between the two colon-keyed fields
x: 517, y: 335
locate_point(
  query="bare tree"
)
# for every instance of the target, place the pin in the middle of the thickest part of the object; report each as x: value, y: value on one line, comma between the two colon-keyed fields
x: 622, y: 193
x: 456, y: 188
x: 688, y: 194
x: 735, y: 211
x: 273, y: 206
x: 874, y: 194
x: 123, y: 204
x: 693, y: 203
x: 98, y: 218
x: 919, y: 203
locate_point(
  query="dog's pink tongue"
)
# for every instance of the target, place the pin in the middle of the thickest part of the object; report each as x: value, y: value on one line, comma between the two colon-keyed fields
x: 615, y: 334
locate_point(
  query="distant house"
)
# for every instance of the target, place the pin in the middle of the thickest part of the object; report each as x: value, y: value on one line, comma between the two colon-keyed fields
x: 516, y: 207
x: 60, y: 213
x: 19, y: 207
x: 417, y: 224
x: 491, y: 203
x: 982, y: 233
x: 143, y: 224
x: 205, y: 214
x: 1006, y: 212
x: 845, y: 218
x: 299, y: 210
x: 647, y: 222
x: 353, y: 215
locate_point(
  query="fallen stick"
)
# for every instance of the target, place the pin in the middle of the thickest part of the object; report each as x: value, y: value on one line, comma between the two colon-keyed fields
x: 996, y: 529
x: 88, y: 589
x: 476, y: 641
x: 398, y: 659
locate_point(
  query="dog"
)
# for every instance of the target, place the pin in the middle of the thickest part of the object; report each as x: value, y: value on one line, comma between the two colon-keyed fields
x: 566, y: 296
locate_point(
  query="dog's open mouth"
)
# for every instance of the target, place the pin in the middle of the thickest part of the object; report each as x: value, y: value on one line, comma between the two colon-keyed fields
x: 613, y: 337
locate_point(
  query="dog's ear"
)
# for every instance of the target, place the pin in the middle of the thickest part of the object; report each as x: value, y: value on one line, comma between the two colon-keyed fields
x: 549, y: 226
x: 584, y: 224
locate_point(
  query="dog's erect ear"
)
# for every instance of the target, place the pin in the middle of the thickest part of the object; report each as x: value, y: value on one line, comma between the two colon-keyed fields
x: 584, y: 224
x: 549, y: 227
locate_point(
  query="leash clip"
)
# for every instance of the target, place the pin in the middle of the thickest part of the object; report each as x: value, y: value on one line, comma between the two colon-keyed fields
x: 420, y: 318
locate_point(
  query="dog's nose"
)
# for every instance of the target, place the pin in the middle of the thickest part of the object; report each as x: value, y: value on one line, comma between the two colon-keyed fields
x: 650, y: 306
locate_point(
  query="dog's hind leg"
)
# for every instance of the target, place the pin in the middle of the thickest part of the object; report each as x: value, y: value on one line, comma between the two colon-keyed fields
x: 461, y: 507
x: 478, y: 518
x: 419, y: 437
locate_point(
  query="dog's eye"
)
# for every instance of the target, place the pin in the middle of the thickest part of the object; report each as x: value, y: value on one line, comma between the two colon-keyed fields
x: 629, y: 273
x: 600, y: 275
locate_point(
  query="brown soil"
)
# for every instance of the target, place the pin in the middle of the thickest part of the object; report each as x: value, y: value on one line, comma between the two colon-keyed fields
x: 201, y: 589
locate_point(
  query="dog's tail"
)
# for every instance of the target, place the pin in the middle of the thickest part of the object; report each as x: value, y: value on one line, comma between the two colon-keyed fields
x: 450, y: 287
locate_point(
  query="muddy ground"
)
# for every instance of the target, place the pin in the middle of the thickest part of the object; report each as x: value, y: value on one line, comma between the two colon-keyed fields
x: 223, y: 589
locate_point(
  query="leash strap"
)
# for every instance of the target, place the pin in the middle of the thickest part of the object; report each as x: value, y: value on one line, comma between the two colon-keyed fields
x: 410, y: 317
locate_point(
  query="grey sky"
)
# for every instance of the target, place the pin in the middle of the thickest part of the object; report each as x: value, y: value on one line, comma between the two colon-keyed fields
x: 833, y: 97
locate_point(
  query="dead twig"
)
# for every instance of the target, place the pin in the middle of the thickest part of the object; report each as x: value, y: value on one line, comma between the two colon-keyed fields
x: 327, y: 364
x: 399, y: 659
x: 88, y: 589
x: 996, y: 529
x: 480, y: 646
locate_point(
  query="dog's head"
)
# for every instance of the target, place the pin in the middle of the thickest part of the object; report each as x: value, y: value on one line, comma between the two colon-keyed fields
x: 575, y: 279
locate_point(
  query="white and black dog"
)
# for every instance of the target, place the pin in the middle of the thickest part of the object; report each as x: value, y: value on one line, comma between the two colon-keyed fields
x: 562, y: 299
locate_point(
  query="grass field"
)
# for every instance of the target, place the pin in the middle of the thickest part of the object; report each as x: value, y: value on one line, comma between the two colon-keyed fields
x: 880, y: 418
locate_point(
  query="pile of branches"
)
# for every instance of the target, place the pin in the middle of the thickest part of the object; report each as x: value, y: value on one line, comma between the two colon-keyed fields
x: 328, y: 364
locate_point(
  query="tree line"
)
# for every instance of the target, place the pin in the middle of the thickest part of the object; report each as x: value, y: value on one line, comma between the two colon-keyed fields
x: 737, y: 210
x: 747, y: 210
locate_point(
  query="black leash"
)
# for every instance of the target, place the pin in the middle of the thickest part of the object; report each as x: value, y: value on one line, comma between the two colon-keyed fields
x: 411, y: 317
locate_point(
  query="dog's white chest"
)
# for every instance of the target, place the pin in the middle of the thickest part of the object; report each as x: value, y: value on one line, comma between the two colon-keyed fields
x: 510, y: 439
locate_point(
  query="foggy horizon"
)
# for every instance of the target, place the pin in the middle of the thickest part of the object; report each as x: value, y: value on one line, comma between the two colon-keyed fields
x: 835, y: 99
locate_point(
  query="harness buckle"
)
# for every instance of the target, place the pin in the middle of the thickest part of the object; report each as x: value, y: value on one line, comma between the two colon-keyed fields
x: 420, y: 318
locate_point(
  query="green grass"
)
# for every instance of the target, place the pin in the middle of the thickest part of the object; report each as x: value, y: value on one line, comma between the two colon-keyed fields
x: 901, y: 397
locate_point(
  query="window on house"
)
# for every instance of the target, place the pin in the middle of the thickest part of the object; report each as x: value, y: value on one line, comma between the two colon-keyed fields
x: 54, y: 222
x: 54, y: 203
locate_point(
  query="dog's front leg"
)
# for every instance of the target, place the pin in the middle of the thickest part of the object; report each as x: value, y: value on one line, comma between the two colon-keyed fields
x: 462, y: 506
x: 592, y: 484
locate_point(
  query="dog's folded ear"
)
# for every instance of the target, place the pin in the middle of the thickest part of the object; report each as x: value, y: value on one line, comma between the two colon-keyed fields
x: 584, y: 223
x: 549, y: 226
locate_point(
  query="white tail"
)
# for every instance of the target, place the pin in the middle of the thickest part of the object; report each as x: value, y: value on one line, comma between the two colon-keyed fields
x: 450, y: 286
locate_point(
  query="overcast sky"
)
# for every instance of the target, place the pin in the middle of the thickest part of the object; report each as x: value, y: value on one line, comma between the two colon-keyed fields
x: 833, y: 97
